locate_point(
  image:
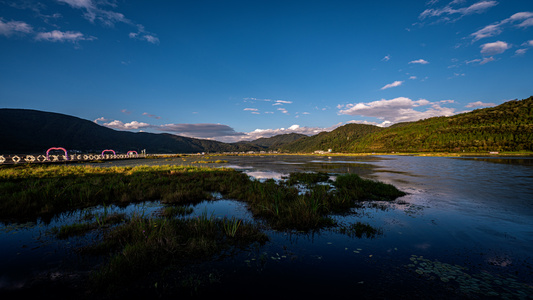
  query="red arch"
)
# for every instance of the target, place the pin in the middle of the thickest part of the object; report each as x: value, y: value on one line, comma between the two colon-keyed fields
x: 107, y: 151
x: 57, y: 148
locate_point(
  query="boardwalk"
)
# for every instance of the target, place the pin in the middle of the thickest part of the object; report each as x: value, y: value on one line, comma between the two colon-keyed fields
x: 107, y: 154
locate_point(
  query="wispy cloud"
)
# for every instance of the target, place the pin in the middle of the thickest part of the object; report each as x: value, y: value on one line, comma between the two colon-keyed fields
x: 481, y: 61
x: 254, y: 111
x: 451, y: 9
x: 521, y: 19
x: 479, y: 104
x: 399, y: 109
x: 151, y: 116
x: 102, y: 12
x: 283, y: 101
x: 142, y: 34
x: 93, y: 11
x: 419, y: 61
x: 522, y: 51
x: 391, y: 85
x: 386, y: 58
x: 201, y: 130
x: 60, y: 36
x: 14, y: 27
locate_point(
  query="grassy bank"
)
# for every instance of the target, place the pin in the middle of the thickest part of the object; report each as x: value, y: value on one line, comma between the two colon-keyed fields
x: 32, y: 191
x: 136, y: 246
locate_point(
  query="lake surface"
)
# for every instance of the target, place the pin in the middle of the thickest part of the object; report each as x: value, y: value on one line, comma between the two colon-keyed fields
x: 465, y: 230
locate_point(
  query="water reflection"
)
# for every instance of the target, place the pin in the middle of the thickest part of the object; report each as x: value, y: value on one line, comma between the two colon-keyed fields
x: 473, y: 216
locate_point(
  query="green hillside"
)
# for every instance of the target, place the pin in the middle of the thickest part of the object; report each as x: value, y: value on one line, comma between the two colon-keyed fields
x: 507, y: 127
x: 277, y: 141
x: 339, y: 140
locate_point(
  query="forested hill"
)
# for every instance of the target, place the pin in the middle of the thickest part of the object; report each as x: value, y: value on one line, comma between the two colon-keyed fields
x: 32, y: 131
x: 339, y: 140
x: 277, y: 141
x: 507, y: 127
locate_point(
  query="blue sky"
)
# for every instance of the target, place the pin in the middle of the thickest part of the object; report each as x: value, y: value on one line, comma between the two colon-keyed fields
x: 240, y: 70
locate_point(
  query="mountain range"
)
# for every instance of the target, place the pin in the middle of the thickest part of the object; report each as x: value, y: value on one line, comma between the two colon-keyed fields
x: 507, y: 127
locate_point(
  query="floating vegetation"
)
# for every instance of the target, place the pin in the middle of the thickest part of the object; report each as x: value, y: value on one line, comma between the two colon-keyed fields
x: 360, y: 230
x: 482, y: 284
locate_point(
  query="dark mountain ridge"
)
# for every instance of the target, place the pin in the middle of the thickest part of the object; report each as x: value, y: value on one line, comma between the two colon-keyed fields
x: 33, y: 131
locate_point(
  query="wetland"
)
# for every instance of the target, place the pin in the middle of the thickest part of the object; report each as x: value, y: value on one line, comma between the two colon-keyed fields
x: 194, y: 227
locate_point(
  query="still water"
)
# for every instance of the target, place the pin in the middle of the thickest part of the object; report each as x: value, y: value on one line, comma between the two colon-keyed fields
x: 464, y: 230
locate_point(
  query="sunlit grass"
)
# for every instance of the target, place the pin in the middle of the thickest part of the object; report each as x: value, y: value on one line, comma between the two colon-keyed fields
x: 42, y: 191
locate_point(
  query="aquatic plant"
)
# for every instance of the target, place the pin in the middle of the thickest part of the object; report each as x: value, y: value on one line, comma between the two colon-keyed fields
x: 143, y: 245
x: 360, y: 229
x: 231, y: 226
x: 472, y: 285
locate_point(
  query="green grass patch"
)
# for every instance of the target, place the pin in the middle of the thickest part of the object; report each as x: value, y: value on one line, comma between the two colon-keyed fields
x: 142, y: 247
x: 31, y: 191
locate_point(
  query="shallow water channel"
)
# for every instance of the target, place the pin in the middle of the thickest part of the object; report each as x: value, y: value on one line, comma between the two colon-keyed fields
x: 464, y: 230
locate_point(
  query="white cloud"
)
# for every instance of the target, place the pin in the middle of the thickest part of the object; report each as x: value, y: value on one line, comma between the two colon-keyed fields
x: 251, y: 109
x: 116, y: 124
x: 479, y: 104
x: 399, y: 109
x: 60, y: 36
x: 87, y: 4
x: 386, y: 58
x: 141, y: 34
x: 283, y: 101
x: 481, y: 61
x: 14, y: 27
x: 526, y: 19
x: 382, y: 124
x: 449, y: 10
x: 526, y: 23
x: 266, y: 133
x: 520, y: 51
x: 283, y: 110
x: 494, y: 48
x: 394, y: 84
x: 97, y: 11
x: 101, y: 119
x: 419, y: 61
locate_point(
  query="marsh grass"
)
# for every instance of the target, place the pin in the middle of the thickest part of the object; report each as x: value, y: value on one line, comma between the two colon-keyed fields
x: 137, y: 247
x: 82, y: 228
x: 360, y: 230
x: 142, y: 246
x: 33, y: 191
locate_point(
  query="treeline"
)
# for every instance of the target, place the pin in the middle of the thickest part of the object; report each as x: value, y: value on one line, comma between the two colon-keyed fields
x: 507, y: 127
